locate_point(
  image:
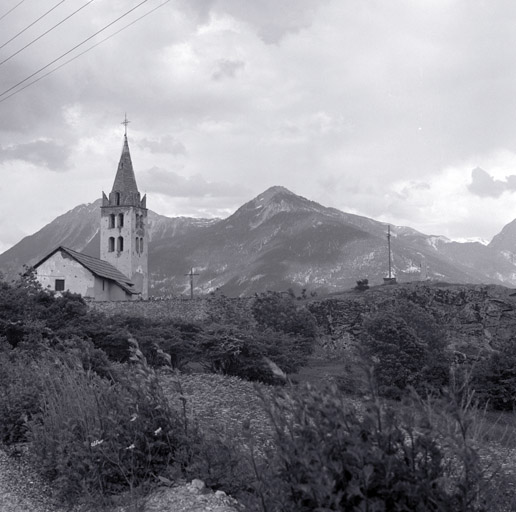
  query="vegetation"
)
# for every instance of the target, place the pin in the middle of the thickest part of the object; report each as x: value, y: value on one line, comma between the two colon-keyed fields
x: 408, y: 349
x: 85, y: 391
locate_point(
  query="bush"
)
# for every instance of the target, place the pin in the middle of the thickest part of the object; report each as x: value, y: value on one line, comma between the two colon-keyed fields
x: 362, y: 285
x: 21, y: 387
x: 95, y: 436
x: 408, y: 349
x: 329, y: 457
x: 494, y: 379
x: 273, y: 310
x: 247, y: 354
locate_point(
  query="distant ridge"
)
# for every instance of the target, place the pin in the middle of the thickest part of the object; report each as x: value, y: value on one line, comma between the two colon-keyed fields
x: 276, y: 241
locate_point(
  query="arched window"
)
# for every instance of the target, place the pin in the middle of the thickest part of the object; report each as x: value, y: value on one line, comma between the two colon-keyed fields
x: 137, y: 245
x: 112, y: 220
x: 120, y: 220
x: 111, y: 244
x: 120, y: 246
x: 141, y: 245
x: 117, y: 198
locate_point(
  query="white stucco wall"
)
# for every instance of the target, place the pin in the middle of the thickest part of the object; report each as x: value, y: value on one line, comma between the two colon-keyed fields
x: 77, y: 278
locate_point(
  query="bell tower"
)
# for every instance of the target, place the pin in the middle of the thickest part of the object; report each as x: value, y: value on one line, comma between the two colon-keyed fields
x: 123, y: 225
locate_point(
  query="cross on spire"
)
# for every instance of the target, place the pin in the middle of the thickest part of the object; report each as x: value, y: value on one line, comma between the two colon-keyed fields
x: 125, y: 122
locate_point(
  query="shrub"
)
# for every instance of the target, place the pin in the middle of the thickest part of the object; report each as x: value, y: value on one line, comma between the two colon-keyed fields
x: 273, y: 310
x: 408, y: 349
x: 362, y: 285
x: 280, y: 313
x: 21, y: 386
x: 330, y: 457
x: 95, y: 436
x: 494, y: 379
x: 245, y: 353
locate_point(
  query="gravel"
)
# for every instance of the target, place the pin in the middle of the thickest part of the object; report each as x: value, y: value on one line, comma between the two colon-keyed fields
x: 21, y: 489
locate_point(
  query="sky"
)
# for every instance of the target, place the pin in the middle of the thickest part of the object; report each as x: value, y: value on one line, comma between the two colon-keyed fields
x: 402, y: 111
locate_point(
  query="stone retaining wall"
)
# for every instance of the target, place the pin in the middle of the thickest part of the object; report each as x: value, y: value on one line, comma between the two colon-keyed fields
x: 188, y: 310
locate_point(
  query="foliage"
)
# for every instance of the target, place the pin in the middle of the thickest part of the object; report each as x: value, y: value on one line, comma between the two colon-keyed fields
x: 362, y: 285
x: 29, y: 313
x: 408, y: 349
x: 274, y: 310
x: 494, y: 379
x: 21, y: 386
x: 163, y: 342
x: 245, y: 353
x: 95, y: 436
x: 329, y: 457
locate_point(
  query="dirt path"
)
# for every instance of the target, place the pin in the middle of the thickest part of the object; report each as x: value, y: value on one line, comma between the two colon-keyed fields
x: 21, y: 490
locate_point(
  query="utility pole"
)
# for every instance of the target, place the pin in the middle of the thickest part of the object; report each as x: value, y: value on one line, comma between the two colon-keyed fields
x: 389, y: 245
x: 390, y: 279
x: 191, y: 274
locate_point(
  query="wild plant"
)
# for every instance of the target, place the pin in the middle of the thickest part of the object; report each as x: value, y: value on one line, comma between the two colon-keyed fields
x: 98, y: 436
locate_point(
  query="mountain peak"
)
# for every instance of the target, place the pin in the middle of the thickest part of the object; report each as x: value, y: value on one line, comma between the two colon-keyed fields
x: 272, y: 192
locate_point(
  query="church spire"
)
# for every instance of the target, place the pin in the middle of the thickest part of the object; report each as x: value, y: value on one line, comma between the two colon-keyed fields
x: 125, y: 181
x: 125, y: 190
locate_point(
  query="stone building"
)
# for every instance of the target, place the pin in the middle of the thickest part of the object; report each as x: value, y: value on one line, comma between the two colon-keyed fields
x: 123, y: 226
x: 65, y: 269
x: 121, y: 273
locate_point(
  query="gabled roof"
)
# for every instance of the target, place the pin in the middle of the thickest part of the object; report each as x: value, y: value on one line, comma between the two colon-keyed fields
x: 96, y: 266
x: 125, y: 181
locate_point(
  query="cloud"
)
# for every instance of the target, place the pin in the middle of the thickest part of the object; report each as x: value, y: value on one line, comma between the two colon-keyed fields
x: 272, y: 20
x: 353, y: 104
x: 49, y: 154
x: 227, y: 69
x: 171, y: 184
x: 166, y: 144
x: 484, y: 185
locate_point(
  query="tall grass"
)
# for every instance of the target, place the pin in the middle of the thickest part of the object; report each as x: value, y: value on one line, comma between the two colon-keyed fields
x: 95, y: 436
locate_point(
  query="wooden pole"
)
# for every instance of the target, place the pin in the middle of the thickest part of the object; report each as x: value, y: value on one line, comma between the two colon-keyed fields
x: 191, y: 274
x: 389, y: 245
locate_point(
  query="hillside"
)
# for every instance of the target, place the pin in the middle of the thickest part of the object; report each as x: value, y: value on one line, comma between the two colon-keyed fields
x: 277, y: 241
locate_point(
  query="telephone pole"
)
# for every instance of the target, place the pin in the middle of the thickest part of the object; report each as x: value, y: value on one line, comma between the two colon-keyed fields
x: 390, y: 279
x: 389, y: 245
x: 191, y: 274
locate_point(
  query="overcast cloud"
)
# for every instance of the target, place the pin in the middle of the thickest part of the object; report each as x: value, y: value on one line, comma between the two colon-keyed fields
x: 401, y: 111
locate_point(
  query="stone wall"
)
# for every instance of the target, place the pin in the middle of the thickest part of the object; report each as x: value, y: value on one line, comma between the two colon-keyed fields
x: 223, y: 310
x: 474, y: 317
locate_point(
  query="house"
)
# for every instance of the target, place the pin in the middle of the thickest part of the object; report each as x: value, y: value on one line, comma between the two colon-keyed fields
x: 121, y: 272
x: 65, y: 269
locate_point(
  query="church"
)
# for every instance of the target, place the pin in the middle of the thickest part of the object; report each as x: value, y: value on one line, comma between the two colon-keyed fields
x: 121, y: 272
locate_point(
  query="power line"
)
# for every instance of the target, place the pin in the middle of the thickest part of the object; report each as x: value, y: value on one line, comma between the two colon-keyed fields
x: 74, y: 48
x: 85, y: 51
x: 44, y: 33
x: 32, y: 24
x: 11, y: 10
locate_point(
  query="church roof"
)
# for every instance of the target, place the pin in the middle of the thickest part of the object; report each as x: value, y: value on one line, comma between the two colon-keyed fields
x: 96, y: 266
x: 125, y: 180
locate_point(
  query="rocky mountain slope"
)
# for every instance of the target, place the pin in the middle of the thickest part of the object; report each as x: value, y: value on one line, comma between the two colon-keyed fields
x: 278, y: 241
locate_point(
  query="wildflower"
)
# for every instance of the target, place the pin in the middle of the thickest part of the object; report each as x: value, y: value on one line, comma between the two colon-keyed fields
x: 157, y: 431
x: 131, y: 447
x: 96, y: 442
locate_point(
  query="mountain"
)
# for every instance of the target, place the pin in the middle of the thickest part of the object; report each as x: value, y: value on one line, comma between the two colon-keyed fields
x: 277, y: 241
x: 78, y: 229
x: 74, y: 229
